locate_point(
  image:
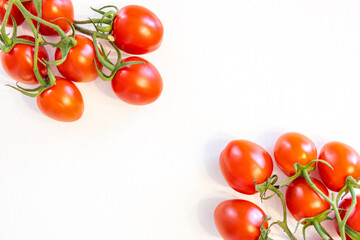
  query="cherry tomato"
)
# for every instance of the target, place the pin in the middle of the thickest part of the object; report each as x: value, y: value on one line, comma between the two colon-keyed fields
x: 19, y: 62
x: 137, y: 30
x: 15, y: 12
x: 239, y: 220
x: 345, y: 162
x: 62, y: 102
x: 293, y: 148
x: 51, y: 10
x: 242, y: 162
x: 303, y: 201
x: 354, y: 218
x: 138, y: 84
x: 79, y: 65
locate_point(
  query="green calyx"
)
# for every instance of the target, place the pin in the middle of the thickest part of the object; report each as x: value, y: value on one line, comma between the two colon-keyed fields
x: 316, y: 222
x: 104, y: 23
x: 264, y: 232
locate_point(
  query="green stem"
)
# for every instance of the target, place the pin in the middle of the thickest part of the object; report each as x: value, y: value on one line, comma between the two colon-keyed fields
x: 340, y: 193
x: 94, y: 20
x: 4, y: 35
x: 332, y: 203
x: 320, y: 231
x: 36, y: 68
x: 25, y: 12
x: 283, y: 223
x: 313, y: 186
x: 97, y: 34
x: 31, y: 24
x: 347, y: 215
x: 102, y: 60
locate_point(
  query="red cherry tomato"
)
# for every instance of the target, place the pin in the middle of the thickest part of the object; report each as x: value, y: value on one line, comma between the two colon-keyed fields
x: 138, y: 84
x: 345, y: 162
x: 242, y: 162
x: 354, y: 218
x: 239, y: 220
x: 54, y: 9
x: 293, y: 148
x: 15, y: 12
x: 137, y: 30
x: 79, y: 65
x: 303, y: 201
x: 62, y: 102
x: 19, y: 62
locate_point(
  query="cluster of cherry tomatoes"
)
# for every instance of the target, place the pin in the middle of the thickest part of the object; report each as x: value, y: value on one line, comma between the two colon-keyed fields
x: 132, y: 29
x: 248, y: 169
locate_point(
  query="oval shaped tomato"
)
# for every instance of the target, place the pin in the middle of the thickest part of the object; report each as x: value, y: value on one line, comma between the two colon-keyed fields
x: 242, y: 162
x: 51, y: 10
x: 293, y: 148
x: 79, y: 65
x: 354, y: 218
x: 138, y: 84
x: 303, y: 201
x: 19, y: 62
x: 239, y: 220
x: 15, y: 12
x: 345, y: 162
x: 137, y: 30
x: 62, y: 102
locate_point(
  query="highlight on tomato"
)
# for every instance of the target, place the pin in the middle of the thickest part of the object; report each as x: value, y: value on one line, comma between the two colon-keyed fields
x: 137, y: 30
x: 345, y: 162
x: 291, y: 148
x: 242, y: 163
x: 19, y: 62
x: 138, y: 84
x: 79, y: 65
x: 239, y: 220
x: 62, y: 102
x: 303, y: 201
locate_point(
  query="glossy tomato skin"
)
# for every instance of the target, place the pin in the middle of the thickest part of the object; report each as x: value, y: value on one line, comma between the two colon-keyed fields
x: 291, y: 148
x: 239, y: 220
x: 138, y: 84
x: 19, y: 62
x: 51, y: 10
x: 79, y: 65
x: 302, y: 201
x: 242, y: 162
x: 15, y: 12
x: 354, y: 218
x: 137, y: 30
x: 345, y: 162
x: 62, y: 102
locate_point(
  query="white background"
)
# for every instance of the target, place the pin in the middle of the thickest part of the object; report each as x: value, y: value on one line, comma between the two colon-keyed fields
x: 231, y: 69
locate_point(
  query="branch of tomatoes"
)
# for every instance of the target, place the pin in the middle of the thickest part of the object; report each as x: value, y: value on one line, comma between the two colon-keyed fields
x: 77, y: 57
x: 307, y: 198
